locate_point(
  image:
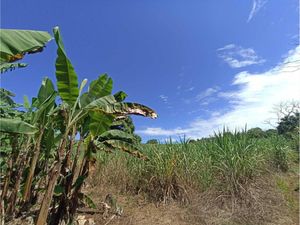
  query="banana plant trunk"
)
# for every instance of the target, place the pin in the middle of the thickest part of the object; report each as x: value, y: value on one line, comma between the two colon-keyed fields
x: 12, y: 160
x: 7, y: 179
x: 13, y: 196
x: 66, y: 183
x: 36, y: 152
x: 54, y: 175
x: 75, y: 194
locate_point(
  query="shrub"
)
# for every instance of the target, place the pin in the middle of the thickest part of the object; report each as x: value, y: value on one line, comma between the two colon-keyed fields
x: 152, y: 141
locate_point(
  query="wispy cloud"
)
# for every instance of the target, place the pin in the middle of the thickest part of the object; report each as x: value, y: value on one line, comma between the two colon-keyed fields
x: 251, y: 104
x: 256, y: 6
x: 208, y: 101
x: 164, y: 98
x: 203, y: 98
x: 237, y: 56
x: 207, y: 93
x: 190, y: 89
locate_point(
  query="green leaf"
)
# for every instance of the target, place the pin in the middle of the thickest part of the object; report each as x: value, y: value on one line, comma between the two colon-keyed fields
x: 124, y: 123
x: 116, y: 135
x: 100, y: 87
x: 120, y: 96
x: 79, y: 181
x: 58, y: 190
x: 46, y: 89
x: 26, y: 102
x: 34, y: 102
x: 103, y: 104
x: 5, y: 97
x: 67, y: 81
x: 99, y: 122
x: 16, y: 126
x: 84, y: 100
x: 44, y: 107
x: 16, y: 43
x: 48, y: 141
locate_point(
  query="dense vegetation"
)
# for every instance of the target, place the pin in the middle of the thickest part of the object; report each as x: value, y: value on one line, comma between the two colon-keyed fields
x: 226, y: 162
x: 43, y: 165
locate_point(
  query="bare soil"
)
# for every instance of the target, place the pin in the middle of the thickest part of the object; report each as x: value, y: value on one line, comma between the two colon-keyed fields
x: 271, y: 200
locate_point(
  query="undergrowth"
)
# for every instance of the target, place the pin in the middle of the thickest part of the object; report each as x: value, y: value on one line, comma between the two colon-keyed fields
x: 227, y: 163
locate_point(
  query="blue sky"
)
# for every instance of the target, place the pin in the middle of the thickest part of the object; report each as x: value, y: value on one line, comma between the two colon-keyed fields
x: 200, y: 64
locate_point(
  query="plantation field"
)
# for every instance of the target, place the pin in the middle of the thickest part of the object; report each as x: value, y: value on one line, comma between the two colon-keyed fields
x: 229, y: 179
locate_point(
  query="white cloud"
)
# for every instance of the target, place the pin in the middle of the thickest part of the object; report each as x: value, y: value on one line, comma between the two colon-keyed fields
x: 158, y: 131
x: 256, y: 6
x: 237, y: 56
x: 251, y: 104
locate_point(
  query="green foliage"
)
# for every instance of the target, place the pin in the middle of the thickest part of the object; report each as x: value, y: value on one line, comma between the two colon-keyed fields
x: 100, y: 87
x: 16, y: 126
x: 6, y: 97
x: 152, y: 141
x: 280, y: 158
x: 227, y: 162
x: 120, y: 96
x: 16, y: 43
x: 256, y: 133
x: 288, y: 124
x: 289, y: 128
x: 99, y: 122
x: 125, y: 124
x: 271, y: 132
x: 116, y: 135
x: 46, y: 90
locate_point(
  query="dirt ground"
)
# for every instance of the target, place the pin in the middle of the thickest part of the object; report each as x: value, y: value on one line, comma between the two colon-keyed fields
x: 272, y: 200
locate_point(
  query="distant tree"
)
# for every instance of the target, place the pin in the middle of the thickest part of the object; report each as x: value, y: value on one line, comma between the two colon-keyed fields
x: 152, y: 141
x: 192, y: 141
x: 256, y: 133
x: 271, y: 132
x: 289, y: 128
x: 288, y: 124
x: 283, y: 110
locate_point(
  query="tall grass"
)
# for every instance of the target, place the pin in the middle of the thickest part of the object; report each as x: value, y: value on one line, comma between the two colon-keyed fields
x: 226, y: 162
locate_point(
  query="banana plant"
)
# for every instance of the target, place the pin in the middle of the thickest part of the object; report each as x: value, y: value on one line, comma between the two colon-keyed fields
x: 48, y: 129
x: 79, y: 113
x: 39, y: 111
x: 11, y: 129
x: 19, y: 134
